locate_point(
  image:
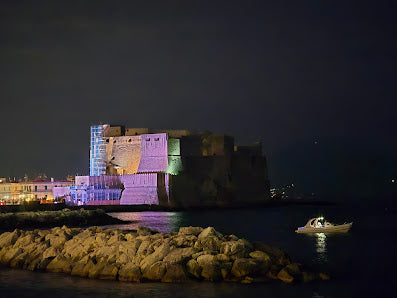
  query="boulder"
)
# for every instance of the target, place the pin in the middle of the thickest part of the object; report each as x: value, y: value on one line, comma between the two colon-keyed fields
x: 145, y: 231
x: 235, y: 249
x: 109, y: 271
x: 276, y: 254
x: 208, y: 243
x: 243, y: 267
x: 155, y: 271
x: 204, y: 252
x: 95, y: 270
x: 9, y: 238
x: 175, y: 273
x: 211, y: 269
x: 194, y: 268
x: 50, y: 252
x: 24, y: 241
x: 190, y: 230
x: 285, y: 276
x: 18, y: 261
x: 156, y: 256
x: 184, y: 240
x: 179, y: 255
x: 82, y: 268
x: 10, y: 254
x: 130, y: 272
x: 60, y: 264
x: 294, y: 269
x: 324, y: 276
x: 210, y: 231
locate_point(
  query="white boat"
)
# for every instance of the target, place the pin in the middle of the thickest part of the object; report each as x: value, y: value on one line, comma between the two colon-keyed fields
x: 315, y: 226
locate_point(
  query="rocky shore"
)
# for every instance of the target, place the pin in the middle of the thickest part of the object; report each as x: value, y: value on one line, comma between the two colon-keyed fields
x: 193, y: 253
x: 47, y: 219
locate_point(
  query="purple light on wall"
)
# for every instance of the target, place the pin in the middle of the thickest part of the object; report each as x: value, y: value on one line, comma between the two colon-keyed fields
x: 154, y: 153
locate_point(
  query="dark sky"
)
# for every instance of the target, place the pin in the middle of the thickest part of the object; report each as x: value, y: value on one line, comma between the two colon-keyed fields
x: 313, y: 80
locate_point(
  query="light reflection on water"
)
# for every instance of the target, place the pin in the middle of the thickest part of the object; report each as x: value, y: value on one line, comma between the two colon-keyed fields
x: 164, y: 222
x: 321, y: 247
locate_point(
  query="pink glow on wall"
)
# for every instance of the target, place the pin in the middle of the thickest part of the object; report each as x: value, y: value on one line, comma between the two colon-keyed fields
x: 154, y: 153
x: 139, y: 189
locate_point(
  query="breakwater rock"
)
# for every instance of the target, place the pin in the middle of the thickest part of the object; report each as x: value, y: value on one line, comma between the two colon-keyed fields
x: 41, y: 219
x: 192, y: 253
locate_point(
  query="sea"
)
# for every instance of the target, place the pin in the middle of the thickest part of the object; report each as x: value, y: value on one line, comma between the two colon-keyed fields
x: 361, y: 263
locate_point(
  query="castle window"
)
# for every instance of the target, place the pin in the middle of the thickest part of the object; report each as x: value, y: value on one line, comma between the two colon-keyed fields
x: 147, y: 139
x: 157, y: 139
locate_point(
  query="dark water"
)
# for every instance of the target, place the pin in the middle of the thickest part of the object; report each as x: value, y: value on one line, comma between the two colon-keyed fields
x: 361, y: 263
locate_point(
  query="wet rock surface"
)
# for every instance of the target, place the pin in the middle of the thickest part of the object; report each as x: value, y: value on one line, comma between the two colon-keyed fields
x: 48, y: 219
x: 193, y: 253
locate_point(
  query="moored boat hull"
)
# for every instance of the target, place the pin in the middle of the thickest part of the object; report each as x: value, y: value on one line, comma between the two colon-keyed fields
x: 332, y: 229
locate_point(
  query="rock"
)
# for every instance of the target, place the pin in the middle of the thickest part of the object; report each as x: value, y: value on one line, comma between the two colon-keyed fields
x: 260, y: 255
x: 275, y: 253
x: 95, y: 270
x: 294, y: 269
x: 242, y: 267
x: 145, y: 231
x: 155, y: 271
x: 131, y: 247
x: 130, y: 272
x: 83, y: 268
x: 211, y: 269
x: 184, y: 240
x: 175, y: 273
x: 210, y: 231
x: 158, y: 255
x: 211, y: 272
x: 190, y: 230
x: 50, y: 252
x: 10, y: 254
x: 285, y: 276
x: 109, y: 271
x: 204, y: 252
x: 193, y: 268
x: 222, y: 258
x: 179, y: 255
x: 206, y: 259
x: 60, y: 264
x: 208, y: 243
x: 18, y: 261
x: 230, y: 238
x: 235, y: 249
x: 247, y: 280
x: 57, y: 240
x: 324, y: 276
x: 130, y: 237
x: 144, y: 248
x: 24, y: 241
x: 263, y: 260
x: 9, y: 238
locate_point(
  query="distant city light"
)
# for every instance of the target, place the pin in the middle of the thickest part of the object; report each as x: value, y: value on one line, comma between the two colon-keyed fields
x: 392, y: 181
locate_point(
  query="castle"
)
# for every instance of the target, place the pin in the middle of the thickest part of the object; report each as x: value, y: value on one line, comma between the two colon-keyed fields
x: 169, y: 168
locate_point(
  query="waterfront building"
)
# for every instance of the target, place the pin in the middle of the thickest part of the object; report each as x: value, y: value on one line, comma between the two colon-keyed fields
x: 25, y: 191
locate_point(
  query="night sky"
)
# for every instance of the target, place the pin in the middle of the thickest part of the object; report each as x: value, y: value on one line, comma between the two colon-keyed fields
x: 313, y: 80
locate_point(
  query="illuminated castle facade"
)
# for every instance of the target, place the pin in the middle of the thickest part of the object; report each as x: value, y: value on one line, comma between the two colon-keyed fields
x: 169, y: 167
